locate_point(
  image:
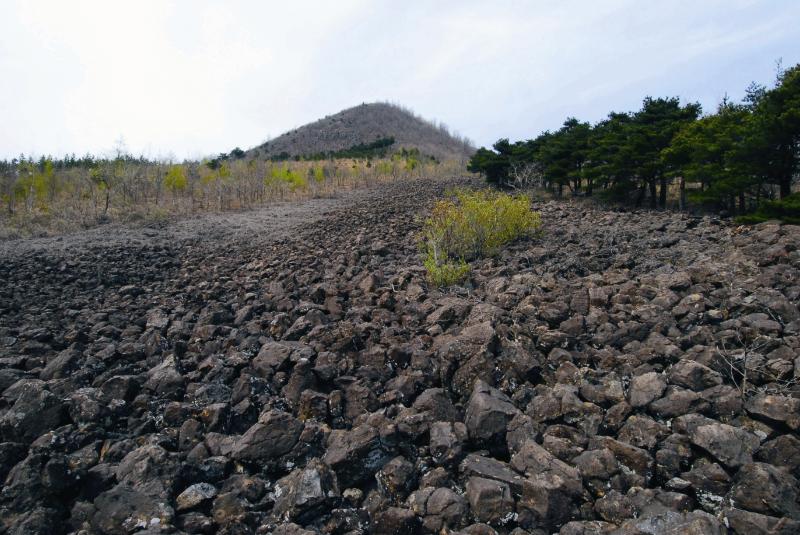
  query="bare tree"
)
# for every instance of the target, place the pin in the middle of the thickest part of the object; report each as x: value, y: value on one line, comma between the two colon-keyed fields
x: 523, y: 175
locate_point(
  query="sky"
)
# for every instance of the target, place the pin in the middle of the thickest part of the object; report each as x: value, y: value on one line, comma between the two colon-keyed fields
x: 190, y: 78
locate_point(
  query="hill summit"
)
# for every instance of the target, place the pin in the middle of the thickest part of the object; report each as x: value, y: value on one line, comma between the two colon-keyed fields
x: 364, y: 125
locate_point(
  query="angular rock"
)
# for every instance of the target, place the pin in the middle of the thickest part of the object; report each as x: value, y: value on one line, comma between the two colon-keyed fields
x: 34, y: 412
x: 615, y: 507
x: 783, y: 451
x: 488, y: 413
x: 597, y: 464
x: 395, y: 521
x: 306, y: 492
x: 275, y: 434
x: 642, y: 431
x: 122, y: 510
x: 692, y: 523
x: 435, y: 402
x: 693, y: 375
x: 356, y: 455
x: 533, y: 461
x: 547, y: 500
x: 646, y: 388
x: 149, y: 469
x: 444, y: 509
x: 490, y: 500
x: 764, y: 489
x: 447, y: 441
x: 730, y: 445
x: 488, y: 468
x: 165, y: 379
x: 195, y: 495
x: 777, y: 408
x: 396, y: 478
x: 743, y: 522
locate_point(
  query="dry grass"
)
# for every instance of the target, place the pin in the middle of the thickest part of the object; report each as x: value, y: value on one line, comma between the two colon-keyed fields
x: 141, y: 192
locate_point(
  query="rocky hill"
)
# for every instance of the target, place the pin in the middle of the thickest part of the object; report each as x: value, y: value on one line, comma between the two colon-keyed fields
x: 365, y: 124
x: 623, y: 373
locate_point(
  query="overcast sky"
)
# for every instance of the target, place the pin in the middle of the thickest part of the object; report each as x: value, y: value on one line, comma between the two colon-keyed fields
x: 194, y: 77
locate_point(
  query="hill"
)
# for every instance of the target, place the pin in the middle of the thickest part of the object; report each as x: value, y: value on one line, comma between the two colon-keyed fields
x: 364, y: 125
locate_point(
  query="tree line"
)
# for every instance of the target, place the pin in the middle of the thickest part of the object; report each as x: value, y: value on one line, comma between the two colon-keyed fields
x: 743, y: 158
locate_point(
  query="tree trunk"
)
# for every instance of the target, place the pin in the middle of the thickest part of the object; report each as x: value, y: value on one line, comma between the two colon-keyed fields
x: 653, y: 198
x: 640, y: 197
x: 683, y: 194
x: 786, y: 186
x: 662, y: 198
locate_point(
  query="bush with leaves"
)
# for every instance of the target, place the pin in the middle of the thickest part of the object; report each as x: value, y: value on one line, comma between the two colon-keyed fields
x: 471, y: 225
x: 294, y: 179
x: 786, y: 209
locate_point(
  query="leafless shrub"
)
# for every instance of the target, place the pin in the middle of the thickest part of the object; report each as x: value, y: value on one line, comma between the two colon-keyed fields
x: 525, y: 175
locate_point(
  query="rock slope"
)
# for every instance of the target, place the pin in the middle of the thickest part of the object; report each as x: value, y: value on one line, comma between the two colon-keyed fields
x: 622, y: 373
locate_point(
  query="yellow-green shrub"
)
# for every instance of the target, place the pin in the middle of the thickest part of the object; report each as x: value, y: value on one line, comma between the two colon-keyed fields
x: 175, y: 180
x: 286, y: 175
x: 446, y: 273
x: 471, y: 225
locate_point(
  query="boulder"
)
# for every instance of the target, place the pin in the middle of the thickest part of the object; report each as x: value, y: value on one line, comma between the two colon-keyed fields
x: 694, y: 375
x: 34, y: 412
x: 776, y: 408
x: 444, y: 509
x: 691, y: 523
x: 165, y: 379
x: 488, y: 413
x: 762, y: 488
x: 306, y: 492
x: 447, y: 441
x: 743, y: 522
x: 730, y: 445
x: 395, y: 521
x: 490, y: 500
x: 396, y: 478
x: 357, y: 454
x: 275, y: 434
x: 122, y: 510
x: 646, y: 388
x: 195, y: 495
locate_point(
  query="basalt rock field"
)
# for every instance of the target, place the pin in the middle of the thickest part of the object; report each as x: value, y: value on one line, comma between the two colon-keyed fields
x: 621, y: 372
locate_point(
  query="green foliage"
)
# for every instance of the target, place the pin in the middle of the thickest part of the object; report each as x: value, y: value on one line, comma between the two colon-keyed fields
x: 376, y: 149
x: 738, y: 158
x: 445, y: 273
x: 491, y: 164
x: 385, y: 167
x: 285, y: 175
x: 712, y: 152
x: 175, y: 180
x: 786, y: 209
x: 219, y: 161
x: 317, y: 174
x: 471, y: 225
